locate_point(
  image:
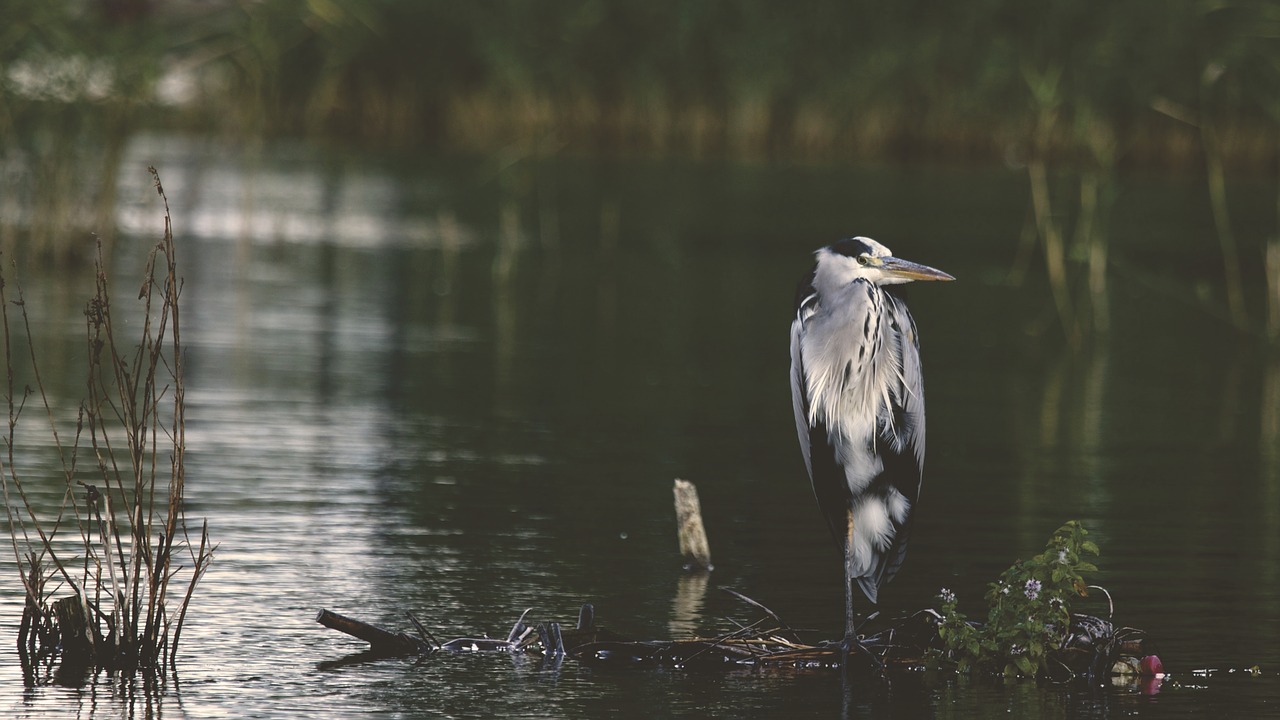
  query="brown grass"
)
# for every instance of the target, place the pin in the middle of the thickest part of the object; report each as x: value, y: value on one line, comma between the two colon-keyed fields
x: 113, y: 545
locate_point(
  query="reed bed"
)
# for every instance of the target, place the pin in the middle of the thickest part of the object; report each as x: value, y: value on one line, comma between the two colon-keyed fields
x: 108, y: 564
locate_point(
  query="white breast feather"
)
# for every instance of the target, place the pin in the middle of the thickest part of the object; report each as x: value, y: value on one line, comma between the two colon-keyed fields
x: 849, y: 407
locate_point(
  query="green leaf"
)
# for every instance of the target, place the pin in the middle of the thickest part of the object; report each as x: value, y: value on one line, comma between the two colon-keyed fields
x: 1024, y: 664
x: 1089, y: 546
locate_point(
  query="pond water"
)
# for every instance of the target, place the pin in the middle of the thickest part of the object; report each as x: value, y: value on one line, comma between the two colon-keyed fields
x: 462, y: 387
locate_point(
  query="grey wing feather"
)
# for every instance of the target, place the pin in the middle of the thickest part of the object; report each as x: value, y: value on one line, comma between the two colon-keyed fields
x: 828, y: 476
x: 799, y: 397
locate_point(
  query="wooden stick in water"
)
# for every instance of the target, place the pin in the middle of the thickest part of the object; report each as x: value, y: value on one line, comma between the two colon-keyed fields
x: 380, y: 641
x: 692, y: 534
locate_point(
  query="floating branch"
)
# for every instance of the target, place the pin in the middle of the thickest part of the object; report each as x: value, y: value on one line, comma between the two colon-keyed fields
x: 383, y: 642
x: 1096, y: 650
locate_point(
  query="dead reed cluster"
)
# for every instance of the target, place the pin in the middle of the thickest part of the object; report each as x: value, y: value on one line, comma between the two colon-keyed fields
x: 109, y: 567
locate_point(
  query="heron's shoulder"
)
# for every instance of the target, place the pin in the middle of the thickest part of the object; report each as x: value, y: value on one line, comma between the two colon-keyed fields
x: 806, y: 293
x: 901, y: 320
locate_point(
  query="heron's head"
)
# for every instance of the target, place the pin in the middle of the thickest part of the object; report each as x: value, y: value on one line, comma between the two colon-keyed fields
x: 861, y: 258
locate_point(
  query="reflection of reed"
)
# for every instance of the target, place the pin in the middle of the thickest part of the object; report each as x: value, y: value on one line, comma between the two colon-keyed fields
x: 687, y: 605
x: 607, y: 288
x: 504, y: 298
x: 1071, y: 418
x: 1269, y: 477
x: 54, y: 194
x: 509, y: 243
x: 1055, y: 258
x: 1269, y: 449
x: 450, y: 247
x: 1231, y: 378
x: 1084, y: 313
x: 548, y: 215
x: 1072, y: 412
x: 1091, y: 413
x: 545, y: 191
x: 55, y: 185
x: 252, y: 161
x: 1215, y: 174
x: 1091, y: 237
x: 1026, y: 247
x: 1051, y: 402
x: 1089, y: 314
x: 1273, y: 284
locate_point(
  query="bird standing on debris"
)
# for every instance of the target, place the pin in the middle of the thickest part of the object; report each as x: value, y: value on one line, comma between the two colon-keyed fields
x: 859, y: 404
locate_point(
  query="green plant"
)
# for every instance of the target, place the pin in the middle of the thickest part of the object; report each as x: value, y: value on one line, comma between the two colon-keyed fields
x: 1029, y: 609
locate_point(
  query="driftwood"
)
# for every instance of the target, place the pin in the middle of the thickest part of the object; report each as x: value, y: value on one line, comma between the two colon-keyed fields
x: 689, y: 528
x: 1094, y: 649
x: 380, y: 641
x: 586, y: 641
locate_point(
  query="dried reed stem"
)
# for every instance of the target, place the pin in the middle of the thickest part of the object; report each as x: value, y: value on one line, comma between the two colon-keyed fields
x: 133, y: 518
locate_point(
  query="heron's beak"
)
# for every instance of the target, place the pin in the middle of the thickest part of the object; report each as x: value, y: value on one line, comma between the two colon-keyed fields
x: 907, y: 270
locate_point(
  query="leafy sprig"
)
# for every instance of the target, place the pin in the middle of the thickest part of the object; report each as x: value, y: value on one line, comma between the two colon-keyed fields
x: 1028, y: 609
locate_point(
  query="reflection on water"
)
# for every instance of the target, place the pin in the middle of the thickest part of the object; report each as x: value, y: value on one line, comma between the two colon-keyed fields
x: 461, y: 392
x: 687, y: 606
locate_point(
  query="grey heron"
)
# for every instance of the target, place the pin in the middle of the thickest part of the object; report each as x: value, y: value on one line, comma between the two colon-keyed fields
x: 859, y: 406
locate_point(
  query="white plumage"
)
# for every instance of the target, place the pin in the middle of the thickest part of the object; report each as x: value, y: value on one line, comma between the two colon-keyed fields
x: 858, y: 398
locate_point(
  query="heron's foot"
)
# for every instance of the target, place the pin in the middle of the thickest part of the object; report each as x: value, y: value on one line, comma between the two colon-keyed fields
x: 851, y: 646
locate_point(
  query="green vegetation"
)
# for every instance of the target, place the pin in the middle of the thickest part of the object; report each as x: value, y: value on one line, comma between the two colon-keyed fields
x: 1092, y: 81
x: 1029, y: 610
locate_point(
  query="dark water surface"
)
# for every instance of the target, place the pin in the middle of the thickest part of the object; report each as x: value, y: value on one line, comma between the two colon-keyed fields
x: 462, y: 388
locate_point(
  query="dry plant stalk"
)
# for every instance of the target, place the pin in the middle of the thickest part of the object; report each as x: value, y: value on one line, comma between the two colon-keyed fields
x: 116, y: 541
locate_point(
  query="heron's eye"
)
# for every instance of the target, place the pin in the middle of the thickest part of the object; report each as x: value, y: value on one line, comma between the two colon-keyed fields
x: 863, y: 260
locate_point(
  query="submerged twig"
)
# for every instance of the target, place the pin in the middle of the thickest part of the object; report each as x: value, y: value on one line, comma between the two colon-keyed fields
x: 761, y: 607
x: 1111, y: 605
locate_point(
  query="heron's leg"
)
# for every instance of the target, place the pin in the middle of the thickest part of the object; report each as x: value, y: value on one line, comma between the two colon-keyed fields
x: 850, y: 617
x: 851, y: 644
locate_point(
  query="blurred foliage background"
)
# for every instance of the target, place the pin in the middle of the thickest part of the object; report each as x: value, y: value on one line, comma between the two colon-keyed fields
x: 1092, y: 81
x: 1096, y: 87
x: 805, y: 80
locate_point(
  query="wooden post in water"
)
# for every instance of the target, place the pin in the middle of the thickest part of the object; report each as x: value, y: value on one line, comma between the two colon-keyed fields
x: 692, y: 534
x: 77, y: 636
